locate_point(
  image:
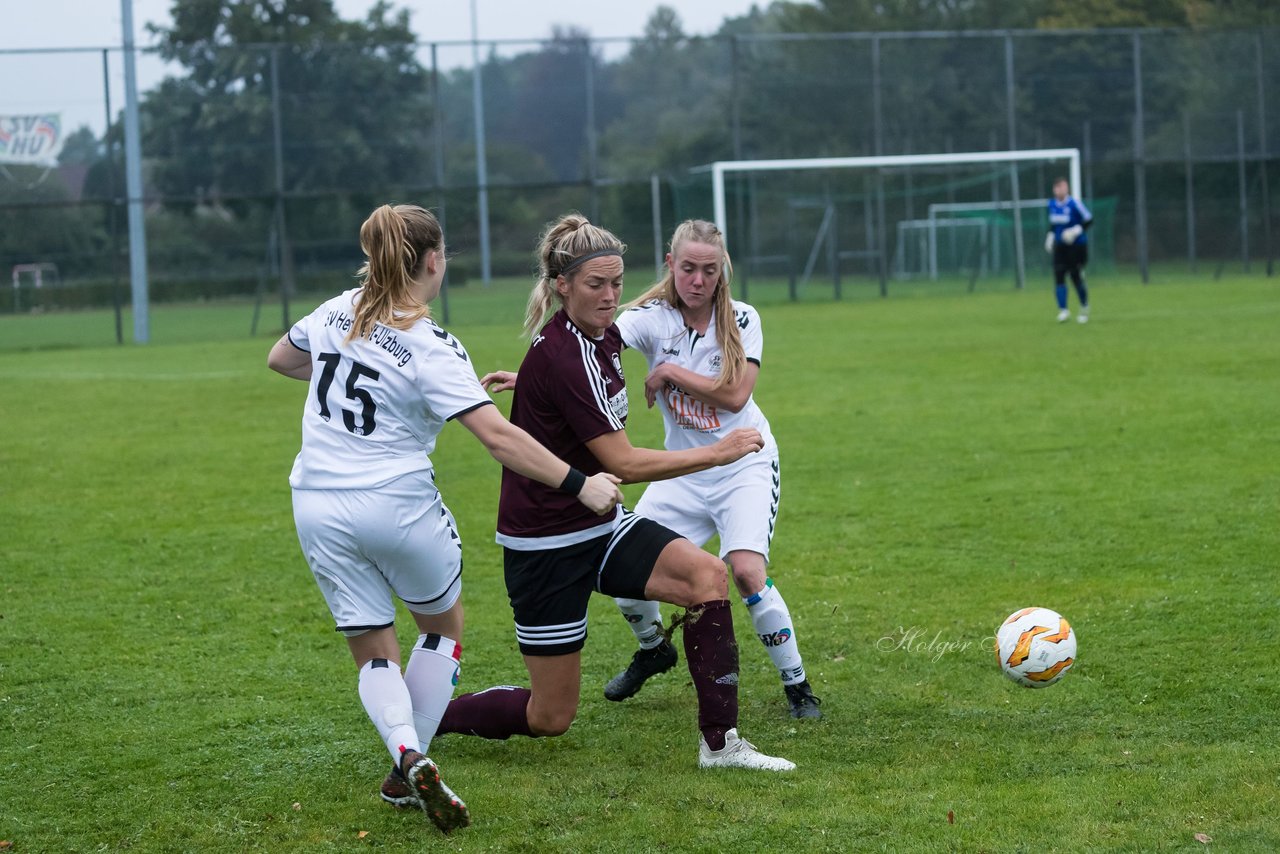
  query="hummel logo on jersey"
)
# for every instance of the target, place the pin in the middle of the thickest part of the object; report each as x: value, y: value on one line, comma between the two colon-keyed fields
x: 452, y: 342
x: 673, y: 351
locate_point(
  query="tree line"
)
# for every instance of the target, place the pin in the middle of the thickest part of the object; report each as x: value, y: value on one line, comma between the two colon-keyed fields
x: 360, y: 117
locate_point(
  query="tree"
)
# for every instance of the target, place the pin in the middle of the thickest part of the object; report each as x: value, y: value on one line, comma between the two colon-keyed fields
x: 80, y: 148
x: 671, y: 100
x: 352, y: 99
x: 353, y: 104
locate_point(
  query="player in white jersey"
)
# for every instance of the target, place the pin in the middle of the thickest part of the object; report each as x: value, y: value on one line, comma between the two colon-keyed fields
x: 704, y: 350
x: 383, y: 379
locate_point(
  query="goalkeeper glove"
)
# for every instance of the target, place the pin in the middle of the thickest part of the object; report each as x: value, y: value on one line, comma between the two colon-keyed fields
x: 1048, y: 243
x: 1070, y: 235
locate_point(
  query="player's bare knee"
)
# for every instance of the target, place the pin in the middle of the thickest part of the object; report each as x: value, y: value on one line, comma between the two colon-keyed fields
x: 748, y: 575
x: 552, y: 721
x: 708, y: 579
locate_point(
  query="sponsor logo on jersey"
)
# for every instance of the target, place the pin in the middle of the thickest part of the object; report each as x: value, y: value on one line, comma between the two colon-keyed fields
x: 777, y: 638
x: 716, y: 363
x: 618, y: 403
x: 689, y: 412
x: 617, y: 365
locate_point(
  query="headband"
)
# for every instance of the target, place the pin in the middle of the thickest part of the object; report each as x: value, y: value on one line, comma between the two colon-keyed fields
x: 582, y: 259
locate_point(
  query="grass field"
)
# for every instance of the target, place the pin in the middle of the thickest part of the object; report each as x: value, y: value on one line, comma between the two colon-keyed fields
x: 170, y: 680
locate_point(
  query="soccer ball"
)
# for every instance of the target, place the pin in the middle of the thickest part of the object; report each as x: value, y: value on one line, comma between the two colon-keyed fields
x: 1035, y: 647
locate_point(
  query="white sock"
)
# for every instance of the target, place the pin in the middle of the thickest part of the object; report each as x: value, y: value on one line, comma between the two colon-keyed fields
x: 644, y: 618
x: 386, y: 700
x: 772, y: 622
x: 431, y: 676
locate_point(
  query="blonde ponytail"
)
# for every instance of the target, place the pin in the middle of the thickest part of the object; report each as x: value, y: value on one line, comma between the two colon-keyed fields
x: 395, y: 241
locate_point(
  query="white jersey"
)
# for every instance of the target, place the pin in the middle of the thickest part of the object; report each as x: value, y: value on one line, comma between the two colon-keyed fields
x: 376, y: 404
x: 658, y: 330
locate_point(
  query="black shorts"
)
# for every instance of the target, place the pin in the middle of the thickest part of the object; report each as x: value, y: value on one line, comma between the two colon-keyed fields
x: 549, y: 589
x: 1067, y: 258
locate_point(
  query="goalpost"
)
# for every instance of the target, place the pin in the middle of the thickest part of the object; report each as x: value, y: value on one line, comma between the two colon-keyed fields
x: 1014, y: 202
x: 37, y: 273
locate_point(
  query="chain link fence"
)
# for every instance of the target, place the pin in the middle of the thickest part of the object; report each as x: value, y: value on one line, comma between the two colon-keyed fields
x: 260, y: 162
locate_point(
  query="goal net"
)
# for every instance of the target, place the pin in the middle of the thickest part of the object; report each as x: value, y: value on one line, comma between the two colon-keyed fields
x: 965, y: 218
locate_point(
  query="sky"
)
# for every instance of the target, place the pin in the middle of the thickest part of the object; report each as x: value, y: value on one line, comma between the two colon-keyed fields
x: 97, y: 23
x: 72, y: 82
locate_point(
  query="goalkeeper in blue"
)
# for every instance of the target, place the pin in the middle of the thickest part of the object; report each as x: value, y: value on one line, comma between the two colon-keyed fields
x: 1068, y: 243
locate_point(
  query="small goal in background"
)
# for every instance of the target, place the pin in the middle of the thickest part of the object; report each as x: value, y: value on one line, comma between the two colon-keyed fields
x: 32, y: 276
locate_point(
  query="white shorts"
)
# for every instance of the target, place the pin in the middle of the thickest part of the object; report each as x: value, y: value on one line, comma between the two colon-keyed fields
x: 363, y: 545
x: 742, y: 506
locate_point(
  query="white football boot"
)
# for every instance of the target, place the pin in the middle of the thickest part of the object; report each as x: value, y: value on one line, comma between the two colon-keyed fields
x: 739, y: 753
x: 1064, y: 316
x: 1083, y: 316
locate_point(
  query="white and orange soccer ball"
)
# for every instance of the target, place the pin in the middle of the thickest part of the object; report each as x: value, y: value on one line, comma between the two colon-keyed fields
x: 1035, y: 647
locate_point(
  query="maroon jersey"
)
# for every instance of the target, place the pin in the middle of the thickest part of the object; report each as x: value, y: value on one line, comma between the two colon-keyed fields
x: 570, y: 390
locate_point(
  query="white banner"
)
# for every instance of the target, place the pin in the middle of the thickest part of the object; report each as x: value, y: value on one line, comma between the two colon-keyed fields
x: 31, y: 140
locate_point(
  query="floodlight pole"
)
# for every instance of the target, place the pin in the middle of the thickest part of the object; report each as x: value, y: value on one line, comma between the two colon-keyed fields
x: 133, y: 185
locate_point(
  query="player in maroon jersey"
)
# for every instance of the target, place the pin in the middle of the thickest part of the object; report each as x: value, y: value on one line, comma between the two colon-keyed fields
x: 572, y: 398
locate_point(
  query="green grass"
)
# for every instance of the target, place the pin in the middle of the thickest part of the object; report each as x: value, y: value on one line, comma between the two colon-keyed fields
x: 169, y: 678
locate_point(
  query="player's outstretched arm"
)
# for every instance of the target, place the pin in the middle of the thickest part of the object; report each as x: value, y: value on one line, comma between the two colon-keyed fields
x: 520, y: 452
x: 287, y: 359
x: 639, y: 465
x: 703, y: 388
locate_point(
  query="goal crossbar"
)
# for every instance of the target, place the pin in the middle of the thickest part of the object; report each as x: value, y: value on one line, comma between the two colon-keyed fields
x: 723, y: 167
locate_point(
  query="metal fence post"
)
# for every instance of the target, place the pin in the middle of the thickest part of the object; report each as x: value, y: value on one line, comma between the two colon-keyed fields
x: 112, y: 200
x: 283, y: 246
x: 655, y: 214
x: 1262, y: 152
x: 1019, y: 239
x: 1139, y: 158
x: 878, y: 122
x: 1191, y: 191
x: 1011, y: 119
x: 1015, y: 189
x: 1244, y: 190
x: 743, y: 182
x: 592, y: 163
x: 437, y: 134
x: 482, y: 171
x: 1087, y: 156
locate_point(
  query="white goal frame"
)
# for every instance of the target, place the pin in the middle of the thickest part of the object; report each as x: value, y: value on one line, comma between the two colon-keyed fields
x: 721, y: 168
x: 929, y: 229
